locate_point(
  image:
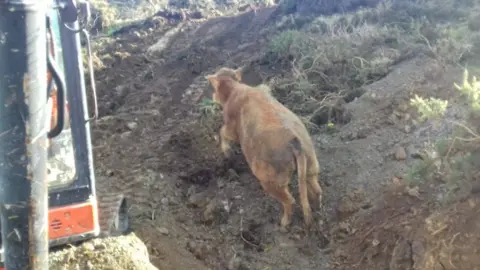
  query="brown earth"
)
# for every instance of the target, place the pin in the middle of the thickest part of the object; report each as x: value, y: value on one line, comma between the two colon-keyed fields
x: 196, y: 210
x: 122, y: 252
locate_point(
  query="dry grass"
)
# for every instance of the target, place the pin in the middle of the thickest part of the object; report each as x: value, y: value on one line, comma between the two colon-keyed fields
x: 106, y: 15
x: 110, y: 15
x: 211, y: 117
x: 339, y: 54
x: 456, y: 158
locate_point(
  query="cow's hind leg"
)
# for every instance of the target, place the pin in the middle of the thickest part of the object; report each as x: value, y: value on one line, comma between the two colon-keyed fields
x: 314, y: 190
x: 279, y: 190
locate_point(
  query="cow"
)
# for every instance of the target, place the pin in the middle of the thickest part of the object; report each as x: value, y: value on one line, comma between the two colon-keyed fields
x: 273, y: 140
x: 236, y: 74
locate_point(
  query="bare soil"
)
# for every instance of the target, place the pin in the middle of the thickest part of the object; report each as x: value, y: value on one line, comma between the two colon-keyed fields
x: 196, y: 210
x: 123, y: 252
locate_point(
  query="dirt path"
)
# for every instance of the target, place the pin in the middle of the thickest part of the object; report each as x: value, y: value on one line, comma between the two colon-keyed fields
x: 194, y: 210
x: 185, y: 205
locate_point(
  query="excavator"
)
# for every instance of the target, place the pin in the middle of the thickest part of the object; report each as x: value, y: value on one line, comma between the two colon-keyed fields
x: 48, y: 195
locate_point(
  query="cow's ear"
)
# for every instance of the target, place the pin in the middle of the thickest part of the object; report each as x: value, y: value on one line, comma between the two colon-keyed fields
x: 239, y: 73
x: 213, y: 80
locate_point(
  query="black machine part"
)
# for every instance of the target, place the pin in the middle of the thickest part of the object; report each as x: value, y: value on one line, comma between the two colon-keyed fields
x: 23, y: 137
x: 23, y: 134
x: 113, y: 214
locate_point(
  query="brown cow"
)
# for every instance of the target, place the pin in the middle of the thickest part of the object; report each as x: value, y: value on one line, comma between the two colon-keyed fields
x: 236, y: 74
x: 273, y: 139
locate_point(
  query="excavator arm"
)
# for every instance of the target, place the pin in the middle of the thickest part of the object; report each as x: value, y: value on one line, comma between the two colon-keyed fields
x: 47, y: 182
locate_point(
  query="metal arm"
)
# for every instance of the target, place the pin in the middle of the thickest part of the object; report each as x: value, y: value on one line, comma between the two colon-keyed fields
x: 23, y: 134
x: 69, y: 16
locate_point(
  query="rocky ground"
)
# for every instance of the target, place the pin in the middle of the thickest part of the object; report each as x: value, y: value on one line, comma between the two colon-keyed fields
x: 195, y: 210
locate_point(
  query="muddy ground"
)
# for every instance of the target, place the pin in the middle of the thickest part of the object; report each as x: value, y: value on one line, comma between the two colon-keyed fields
x: 196, y: 210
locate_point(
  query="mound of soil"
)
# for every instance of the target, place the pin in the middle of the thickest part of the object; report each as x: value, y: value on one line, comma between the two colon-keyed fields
x: 124, y: 252
x: 406, y: 232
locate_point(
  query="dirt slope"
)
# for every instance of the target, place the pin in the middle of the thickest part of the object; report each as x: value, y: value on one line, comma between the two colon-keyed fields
x: 195, y: 210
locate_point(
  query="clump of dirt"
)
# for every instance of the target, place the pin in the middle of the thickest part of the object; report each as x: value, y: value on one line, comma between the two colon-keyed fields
x: 186, y: 150
x: 405, y: 231
x: 123, y: 252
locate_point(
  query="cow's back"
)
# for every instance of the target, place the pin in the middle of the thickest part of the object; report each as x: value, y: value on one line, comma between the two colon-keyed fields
x: 272, y: 126
x: 262, y: 133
